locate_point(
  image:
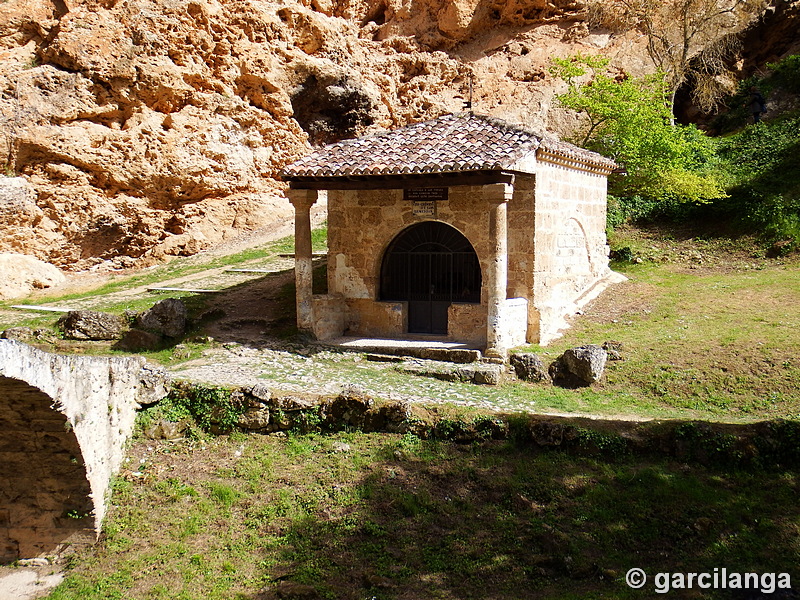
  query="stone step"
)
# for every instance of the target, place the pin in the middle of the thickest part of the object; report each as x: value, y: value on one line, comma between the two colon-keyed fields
x: 41, y: 308
x: 483, y: 373
x: 189, y: 290
x: 451, y: 355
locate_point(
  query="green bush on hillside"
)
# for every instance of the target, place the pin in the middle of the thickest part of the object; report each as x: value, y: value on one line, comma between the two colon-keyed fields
x: 782, y: 78
x: 629, y: 120
x: 762, y: 166
x: 751, y: 177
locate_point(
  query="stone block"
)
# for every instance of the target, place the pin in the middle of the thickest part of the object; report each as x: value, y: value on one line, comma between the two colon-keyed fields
x: 330, y: 313
x: 255, y: 418
x: 488, y: 374
x: 379, y: 319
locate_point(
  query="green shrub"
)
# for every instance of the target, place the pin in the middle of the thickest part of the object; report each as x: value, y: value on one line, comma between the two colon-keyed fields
x: 785, y: 74
x: 201, y: 404
x: 783, y: 77
x: 629, y: 120
x: 763, y: 171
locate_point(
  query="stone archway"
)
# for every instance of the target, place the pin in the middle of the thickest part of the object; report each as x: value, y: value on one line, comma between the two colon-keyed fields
x: 430, y: 265
x: 64, y: 421
x: 45, y: 496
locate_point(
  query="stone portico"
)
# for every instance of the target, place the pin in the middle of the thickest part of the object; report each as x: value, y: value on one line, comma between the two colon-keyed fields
x: 465, y: 227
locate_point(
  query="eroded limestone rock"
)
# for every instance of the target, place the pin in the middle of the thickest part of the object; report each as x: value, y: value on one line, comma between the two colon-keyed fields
x: 141, y: 138
x: 20, y: 274
x: 91, y: 325
x: 529, y: 367
x: 166, y: 317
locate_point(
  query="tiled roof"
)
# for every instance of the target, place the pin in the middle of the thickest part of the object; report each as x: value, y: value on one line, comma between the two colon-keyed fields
x: 449, y: 144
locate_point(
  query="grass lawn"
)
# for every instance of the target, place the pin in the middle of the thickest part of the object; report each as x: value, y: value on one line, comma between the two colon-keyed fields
x: 717, y: 345
x: 382, y: 516
x: 708, y: 329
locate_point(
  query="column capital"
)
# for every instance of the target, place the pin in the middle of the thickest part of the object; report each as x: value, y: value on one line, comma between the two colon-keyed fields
x: 498, y: 192
x: 302, y: 198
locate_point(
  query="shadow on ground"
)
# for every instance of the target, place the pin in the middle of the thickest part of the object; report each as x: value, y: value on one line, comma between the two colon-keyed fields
x: 499, y: 520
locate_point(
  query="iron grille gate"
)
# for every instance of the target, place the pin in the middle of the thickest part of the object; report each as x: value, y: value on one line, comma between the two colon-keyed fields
x: 430, y: 265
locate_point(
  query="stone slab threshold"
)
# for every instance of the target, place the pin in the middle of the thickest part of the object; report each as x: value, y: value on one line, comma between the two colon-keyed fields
x: 425, y: 347
x: 313, y: 255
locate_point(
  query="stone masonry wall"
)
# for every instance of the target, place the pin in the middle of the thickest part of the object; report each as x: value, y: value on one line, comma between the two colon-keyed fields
x: 571, y: 254
x: 64, y: 421
x: 45, y: 496
x: 557, y: 250
x: 362, y: 224
x: 521, y: 219
x: 521, y: 223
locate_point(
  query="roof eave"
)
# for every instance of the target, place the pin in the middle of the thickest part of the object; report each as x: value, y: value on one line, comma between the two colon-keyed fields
x: 400, y: 180
x: 602, y: 166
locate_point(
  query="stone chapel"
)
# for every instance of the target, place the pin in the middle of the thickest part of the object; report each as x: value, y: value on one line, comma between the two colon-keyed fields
x: 464, y: 228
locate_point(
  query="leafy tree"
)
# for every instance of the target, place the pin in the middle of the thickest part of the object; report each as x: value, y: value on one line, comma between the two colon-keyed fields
x: 628, y: 119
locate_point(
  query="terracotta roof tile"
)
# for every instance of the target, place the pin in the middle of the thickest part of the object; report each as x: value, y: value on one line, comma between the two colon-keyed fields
x: 452, y: 143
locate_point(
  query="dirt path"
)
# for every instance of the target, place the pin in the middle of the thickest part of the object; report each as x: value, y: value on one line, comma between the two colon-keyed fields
x: 28, y: 583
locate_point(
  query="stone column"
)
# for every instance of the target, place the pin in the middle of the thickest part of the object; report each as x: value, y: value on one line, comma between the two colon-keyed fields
x: 497, y: 196
x: 302, y: 200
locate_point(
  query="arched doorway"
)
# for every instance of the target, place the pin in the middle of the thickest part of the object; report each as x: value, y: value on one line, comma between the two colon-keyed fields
x: 430, y: 265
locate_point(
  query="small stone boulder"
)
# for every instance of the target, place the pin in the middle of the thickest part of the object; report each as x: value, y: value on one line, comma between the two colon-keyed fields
x: 21, y: 334
x: 392, y: 417
x: 488, y: 374
x: 254, y: 418
x: 256, y: 415
x: 166, y: 317
x: 529, y: 367
x: 260, y: 391
x: 154, y: 385
x: 91, y: 325
x: 347, y: 409
x: 614, y: 350
x: 166, y: 430
x: 587, y: 363
x: 137, y: 340
x: 28, y: 335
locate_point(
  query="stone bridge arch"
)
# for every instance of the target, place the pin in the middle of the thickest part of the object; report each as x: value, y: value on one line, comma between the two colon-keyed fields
x: 64, y: 421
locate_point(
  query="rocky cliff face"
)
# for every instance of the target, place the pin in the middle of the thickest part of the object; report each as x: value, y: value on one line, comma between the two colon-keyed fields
x: 147, y: 128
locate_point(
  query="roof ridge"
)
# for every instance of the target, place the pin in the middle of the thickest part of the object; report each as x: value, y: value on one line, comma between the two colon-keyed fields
x: 452, y: 142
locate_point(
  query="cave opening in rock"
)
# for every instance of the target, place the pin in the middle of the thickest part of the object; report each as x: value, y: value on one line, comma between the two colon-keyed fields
x: 330, y: 110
